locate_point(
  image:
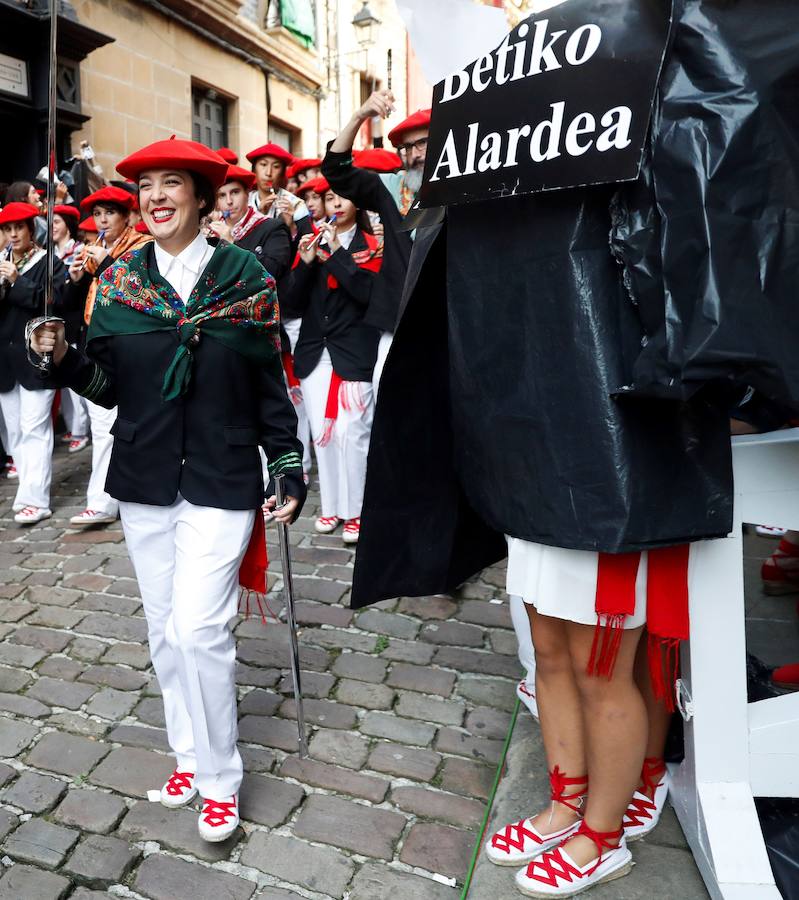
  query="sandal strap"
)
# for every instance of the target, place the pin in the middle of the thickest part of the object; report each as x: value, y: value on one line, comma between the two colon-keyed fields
x: 652, y: 773
x: 559, y: 782
x: 604, y: 840
x: 178, y: 781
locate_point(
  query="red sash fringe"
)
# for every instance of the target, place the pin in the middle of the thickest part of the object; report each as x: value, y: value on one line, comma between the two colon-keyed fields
x: 252, y: 571
x: 667, y: 612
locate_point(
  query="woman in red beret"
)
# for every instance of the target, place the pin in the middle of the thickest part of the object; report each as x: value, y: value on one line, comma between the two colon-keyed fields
x: 335, y: 355
x: 184, y: 339
x: 110, y: 209
x: 26, y: 399
x: 313, y: 192
x: 65, y: 231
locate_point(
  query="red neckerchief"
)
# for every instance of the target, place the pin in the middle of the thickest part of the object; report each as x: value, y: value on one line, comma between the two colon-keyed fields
x: 370, y: 259
x: 242, y: 228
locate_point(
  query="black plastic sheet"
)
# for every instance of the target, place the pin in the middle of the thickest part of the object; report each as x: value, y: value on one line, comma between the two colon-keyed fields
x: 779, y: 820
x: 540, y: 334
x: 709, y: 236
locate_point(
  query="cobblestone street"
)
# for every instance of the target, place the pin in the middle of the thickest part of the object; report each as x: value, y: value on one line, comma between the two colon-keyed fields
x: 408, y: 704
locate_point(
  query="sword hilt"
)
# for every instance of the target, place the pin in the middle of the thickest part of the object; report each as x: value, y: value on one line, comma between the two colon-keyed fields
x: 43, y: 362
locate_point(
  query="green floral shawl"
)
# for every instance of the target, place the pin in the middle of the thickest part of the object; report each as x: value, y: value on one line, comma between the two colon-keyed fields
x: 234, y: 302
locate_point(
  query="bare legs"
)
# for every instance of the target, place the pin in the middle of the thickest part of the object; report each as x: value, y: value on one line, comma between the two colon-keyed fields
x: 559, y: 712
x: 659, y: 718
x: 590, y: 725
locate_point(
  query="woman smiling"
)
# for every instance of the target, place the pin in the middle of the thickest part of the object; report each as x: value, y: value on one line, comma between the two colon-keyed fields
x: 184, y: 338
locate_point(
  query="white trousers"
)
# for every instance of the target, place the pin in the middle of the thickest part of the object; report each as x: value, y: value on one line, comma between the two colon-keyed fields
x: 4, y: 435
x: 187, y: 561
x: 102, y: 443
x: 29, y: 425
x: 292, y: 327
x: 342, y: 463
x: 386, y: 339
x: 76, y: 413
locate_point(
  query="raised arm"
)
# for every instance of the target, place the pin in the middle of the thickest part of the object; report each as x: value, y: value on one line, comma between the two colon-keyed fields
x: 363, y: 188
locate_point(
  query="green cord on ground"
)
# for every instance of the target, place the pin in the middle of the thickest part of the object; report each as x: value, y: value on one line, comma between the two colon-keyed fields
x: 478, y: 846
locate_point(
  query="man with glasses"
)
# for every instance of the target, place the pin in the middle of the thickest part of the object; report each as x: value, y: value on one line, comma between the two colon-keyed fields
x: 390, y: 195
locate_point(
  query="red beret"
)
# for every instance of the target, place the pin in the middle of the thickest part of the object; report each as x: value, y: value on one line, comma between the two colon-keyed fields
x: 141, y: 227
x: 175, y: 154
x: 65, y: 211
x: 236, y: 173
x: 108, y: 194
x: 317, y: 185
x: 302, y: 165
x: 87, y: 224
x: 271, y: 150
x: 378, y: 160
x: 17, y: 212
x: 420, y: 119
x: 228, y: 155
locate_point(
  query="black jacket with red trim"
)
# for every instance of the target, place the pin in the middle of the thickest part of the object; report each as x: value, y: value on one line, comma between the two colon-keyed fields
x: 332, y: 297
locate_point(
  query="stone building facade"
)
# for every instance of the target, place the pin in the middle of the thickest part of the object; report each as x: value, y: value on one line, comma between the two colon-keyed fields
x: 231, y: 73
x: 210, y: 71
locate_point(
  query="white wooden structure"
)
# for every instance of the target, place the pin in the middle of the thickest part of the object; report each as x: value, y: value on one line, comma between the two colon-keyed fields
x: 735, y: 750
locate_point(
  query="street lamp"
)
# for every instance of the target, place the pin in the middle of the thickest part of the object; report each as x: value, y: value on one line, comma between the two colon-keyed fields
x: 365, y: 24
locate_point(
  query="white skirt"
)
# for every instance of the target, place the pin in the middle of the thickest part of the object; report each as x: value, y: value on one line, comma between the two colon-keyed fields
x: 562, y: 583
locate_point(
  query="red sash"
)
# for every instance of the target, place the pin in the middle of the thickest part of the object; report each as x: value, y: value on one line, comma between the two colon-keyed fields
x: 666, y: 612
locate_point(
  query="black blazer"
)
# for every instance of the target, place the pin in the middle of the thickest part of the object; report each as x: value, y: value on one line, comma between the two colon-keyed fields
x: 204, y: 444
x: 334, y: 319
x: 20, y: 302
x: 270, y: 243
x: 367, y: 191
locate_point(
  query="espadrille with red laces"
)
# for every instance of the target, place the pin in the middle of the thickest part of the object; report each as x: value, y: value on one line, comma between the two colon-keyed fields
x: 179, y: 790
x: 648, y: 801
x: 352, y: 531
x: 519, y: 842
x: 327, y: 524
x: 555, y: 874
x: 780, y: 572
x: 219, y: 819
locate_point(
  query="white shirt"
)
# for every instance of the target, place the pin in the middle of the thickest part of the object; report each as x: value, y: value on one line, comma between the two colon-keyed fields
x: 344, y: 237
x: 183, y: 271
x: 300, y: 210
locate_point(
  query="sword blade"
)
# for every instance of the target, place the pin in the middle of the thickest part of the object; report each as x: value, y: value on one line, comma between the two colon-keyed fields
x: 51, y: 166
x: 288, y: 593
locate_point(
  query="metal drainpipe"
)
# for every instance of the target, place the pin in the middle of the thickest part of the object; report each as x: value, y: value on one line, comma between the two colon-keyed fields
x: 268, y: 102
